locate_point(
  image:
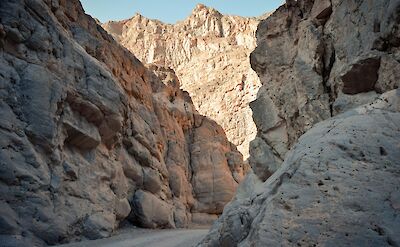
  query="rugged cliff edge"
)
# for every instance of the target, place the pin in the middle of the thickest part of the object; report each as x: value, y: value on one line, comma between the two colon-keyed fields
x: 338, y: 186
x: 209, y: 52
x: 90, y: 137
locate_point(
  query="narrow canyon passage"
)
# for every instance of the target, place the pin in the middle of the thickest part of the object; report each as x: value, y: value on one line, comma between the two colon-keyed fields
x: 209, y: 52
x: 279, y: 130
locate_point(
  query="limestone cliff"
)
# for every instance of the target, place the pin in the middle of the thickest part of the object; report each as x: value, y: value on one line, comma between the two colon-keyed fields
x: 338, y: 186
x: 90, y: 137
x: 209, y: 52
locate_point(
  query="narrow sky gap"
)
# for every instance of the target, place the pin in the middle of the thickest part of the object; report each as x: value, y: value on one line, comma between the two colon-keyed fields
x: 173, y: 10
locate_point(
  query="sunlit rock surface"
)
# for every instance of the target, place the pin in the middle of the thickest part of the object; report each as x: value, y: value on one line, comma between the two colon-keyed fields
x: 209, y: 52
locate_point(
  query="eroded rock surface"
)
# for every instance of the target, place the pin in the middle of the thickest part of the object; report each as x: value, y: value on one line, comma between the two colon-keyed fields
x: 209, y: 52
x: 338, y: 186
x: 90, y: 137
x: 316, y: 60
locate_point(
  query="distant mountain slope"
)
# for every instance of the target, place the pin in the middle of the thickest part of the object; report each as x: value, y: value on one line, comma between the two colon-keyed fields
x: 209, y: 52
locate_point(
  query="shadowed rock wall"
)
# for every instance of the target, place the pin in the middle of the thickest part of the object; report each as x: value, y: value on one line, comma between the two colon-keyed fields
x: 90, y: 137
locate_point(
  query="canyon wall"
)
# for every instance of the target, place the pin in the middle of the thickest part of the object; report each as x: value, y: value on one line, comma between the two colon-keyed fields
x: 329, y: 69
x: 315, y: 60
x: 90, y: 137
x: 209, y: 52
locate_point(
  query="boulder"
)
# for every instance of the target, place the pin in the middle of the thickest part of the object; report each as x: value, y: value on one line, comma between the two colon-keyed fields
x: 151, y: 211
x: 98, y: 226
x: 122, y: 208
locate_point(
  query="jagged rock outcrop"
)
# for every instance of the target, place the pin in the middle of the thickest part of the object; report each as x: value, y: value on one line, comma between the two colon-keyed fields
x: 317, y: 59
x: 209, y: 52
x: 90, y: 137
x: 338, y: 186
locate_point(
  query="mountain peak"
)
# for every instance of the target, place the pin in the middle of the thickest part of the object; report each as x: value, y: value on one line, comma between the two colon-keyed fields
x: 201, y: 8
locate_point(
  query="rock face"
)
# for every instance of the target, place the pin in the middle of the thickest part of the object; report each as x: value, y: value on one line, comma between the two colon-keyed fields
x: 90, y: 137
x: 337, y: 186
x: 209, y: 52
x: 316, y: 60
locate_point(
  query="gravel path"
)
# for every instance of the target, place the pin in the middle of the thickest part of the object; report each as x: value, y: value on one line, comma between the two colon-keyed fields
x: 147, y: 238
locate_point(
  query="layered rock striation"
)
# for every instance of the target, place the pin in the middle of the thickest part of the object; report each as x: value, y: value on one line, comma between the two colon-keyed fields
x: 209, y: 52
x: 329, y: 69
x: 90, y: 137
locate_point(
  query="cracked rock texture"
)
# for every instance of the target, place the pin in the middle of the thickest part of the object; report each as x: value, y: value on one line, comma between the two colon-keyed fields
x: 90, y: 137
x: 338, y: 186
x: 209, y: 52
x: 316, y: 59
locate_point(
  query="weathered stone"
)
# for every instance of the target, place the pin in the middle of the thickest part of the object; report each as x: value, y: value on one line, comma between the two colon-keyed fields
x: 85, y: 126
x: 181, y: 217
x: 70, y: 171
x: 208, y: 51
x: 308, y: 54
x: 212, y: 188
x: 236, y: 165
x: 361, y: 77
x: 8, y: 221
x: 80, y: 133
x: 151, y: 211
x: 301, y: 61
x: 262, y: 159
x: 346, y: 102
x: 322, y: 9
x: 98, y: 226
x: 389, y: 74
x: 151, y: 180
x: 334, y: 168
x: 122, y: 208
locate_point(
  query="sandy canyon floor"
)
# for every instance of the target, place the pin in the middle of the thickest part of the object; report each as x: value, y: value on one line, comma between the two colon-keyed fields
x: 146, y: 238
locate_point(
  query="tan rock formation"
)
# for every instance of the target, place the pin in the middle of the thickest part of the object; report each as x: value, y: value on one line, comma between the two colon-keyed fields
x: 90, y: 137
x: 209, y: 52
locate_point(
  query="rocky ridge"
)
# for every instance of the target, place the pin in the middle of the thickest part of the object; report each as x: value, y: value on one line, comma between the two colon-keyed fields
x: 209, y: 52
x: 90, y: 137
x: 319, y: 62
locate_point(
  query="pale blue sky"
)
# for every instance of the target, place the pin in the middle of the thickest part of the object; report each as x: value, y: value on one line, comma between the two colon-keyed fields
x: 170, y: 11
